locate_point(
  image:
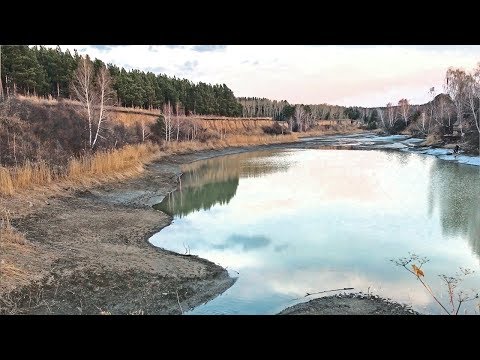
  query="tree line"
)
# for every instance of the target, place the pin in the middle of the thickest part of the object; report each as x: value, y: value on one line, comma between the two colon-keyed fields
x: 282, y: 110
x: 48, y: 72
x: 456, y: 109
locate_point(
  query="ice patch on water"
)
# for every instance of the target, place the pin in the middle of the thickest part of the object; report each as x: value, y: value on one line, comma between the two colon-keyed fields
x: 470, y: 160
x: 393, y: 146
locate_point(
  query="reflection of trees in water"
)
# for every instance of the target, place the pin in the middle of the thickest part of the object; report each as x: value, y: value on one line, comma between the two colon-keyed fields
x: 183, y: 202
x: 399, y: 157
x: 251, y: 164
x: 215, y: 181
x: 455, y: 190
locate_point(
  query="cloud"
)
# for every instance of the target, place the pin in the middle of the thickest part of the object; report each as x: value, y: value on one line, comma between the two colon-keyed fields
x: 189, y: 66
x: 156, y: 69
x: 102, y: 48
x: 245, y: 242
x: 362, y: 75
x: 175, y: 46
x: 208, y: 48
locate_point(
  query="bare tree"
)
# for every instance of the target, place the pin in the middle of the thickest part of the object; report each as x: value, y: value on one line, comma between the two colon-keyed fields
x: 472, y: 97
x: 104, y: 96
x: 179, y: 113
x: 433, y: 107
x: 168, y: 121
x: 390, y: 114
x: 144, y: 128
x: 382, y: 117
x: 299, y: 116
x: 455, y: 82
x: 404, y: 107
x: 95, y: 94
x: 83, y: 90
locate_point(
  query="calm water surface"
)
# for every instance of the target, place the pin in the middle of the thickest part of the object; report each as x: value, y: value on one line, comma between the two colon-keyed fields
x: 287, y: 222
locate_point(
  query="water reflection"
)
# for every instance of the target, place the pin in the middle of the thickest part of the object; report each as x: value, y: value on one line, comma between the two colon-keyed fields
x: 455, y: 191
x: 244, y: 242
x: 215, y: 181
x: 299, y: 221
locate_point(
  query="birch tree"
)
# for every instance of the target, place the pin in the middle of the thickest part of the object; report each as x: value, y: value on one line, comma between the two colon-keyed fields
x: 299, y: 116
x: 382, y: 117
x: 95, y: 94
x: 404, y: 107
x: 455, y: 82
x: 105, y: 97
x: 472, y: 99
x: 167, y: 112
x: 390, y: 114
x: 83, y: 90
x: 178, y: 115
x: 433, y: 107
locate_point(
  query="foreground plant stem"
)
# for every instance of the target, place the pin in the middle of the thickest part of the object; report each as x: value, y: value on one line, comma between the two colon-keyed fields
x: 429, y: 290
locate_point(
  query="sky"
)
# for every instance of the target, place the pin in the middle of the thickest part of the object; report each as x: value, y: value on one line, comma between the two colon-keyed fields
x: 350, y: 75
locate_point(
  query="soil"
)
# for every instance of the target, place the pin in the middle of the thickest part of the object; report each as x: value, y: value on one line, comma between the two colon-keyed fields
x: 349, y: 304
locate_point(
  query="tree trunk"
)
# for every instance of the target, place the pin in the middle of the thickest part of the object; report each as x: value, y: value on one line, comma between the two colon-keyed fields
x: 14, y: 149
x: 58, y: 90
x: 178, y: 127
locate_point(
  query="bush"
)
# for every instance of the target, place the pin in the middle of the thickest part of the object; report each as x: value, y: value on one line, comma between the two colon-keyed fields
x: 275, y: 129
x: 398, y: 126
x: 205, y: 134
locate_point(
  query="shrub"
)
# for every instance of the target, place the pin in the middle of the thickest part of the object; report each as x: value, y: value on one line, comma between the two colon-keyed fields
x: 275, y: 129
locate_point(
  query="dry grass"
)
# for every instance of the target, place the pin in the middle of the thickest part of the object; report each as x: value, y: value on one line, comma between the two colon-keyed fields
x: 131, y: 119
x: 333, y: 130
x: 113, y: 164
x: 8, y: 235
x: 11, y: 241
x: 103, y: 166
x: 23, y: 177
x: 228, y: 141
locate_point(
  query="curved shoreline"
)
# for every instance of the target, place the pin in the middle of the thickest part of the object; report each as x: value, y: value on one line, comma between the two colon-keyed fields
x: 349, y: 304
x: 93, y: 255
x: 88, y: 251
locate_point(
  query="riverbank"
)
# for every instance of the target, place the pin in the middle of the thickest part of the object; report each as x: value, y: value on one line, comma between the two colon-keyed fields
x: 86, y: 252
x: 349, y: 304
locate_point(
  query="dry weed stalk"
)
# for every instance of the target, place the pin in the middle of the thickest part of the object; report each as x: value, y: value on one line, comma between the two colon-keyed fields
x: 451, y: 282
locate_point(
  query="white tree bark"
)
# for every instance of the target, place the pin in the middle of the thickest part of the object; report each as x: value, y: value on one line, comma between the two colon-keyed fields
x: 404, y: 109
x: 105, y: 95
x: 83, y: 89
x: 455, y: 82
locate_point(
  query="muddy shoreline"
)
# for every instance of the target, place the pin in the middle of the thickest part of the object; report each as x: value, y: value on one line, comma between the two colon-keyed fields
x: 349, y: 304
x: 89, y: 251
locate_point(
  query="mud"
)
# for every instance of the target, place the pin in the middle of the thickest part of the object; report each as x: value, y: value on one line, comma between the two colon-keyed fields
x: 349, y: 304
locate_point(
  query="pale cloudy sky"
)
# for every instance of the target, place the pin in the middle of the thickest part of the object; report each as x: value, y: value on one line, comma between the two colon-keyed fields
x: 362, y: 75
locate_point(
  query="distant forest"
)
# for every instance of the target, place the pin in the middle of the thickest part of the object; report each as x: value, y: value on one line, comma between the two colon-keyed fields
x: 48, y: 72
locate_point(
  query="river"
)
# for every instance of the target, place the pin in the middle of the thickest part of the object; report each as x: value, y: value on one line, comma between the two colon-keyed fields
x: 305, y: 219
